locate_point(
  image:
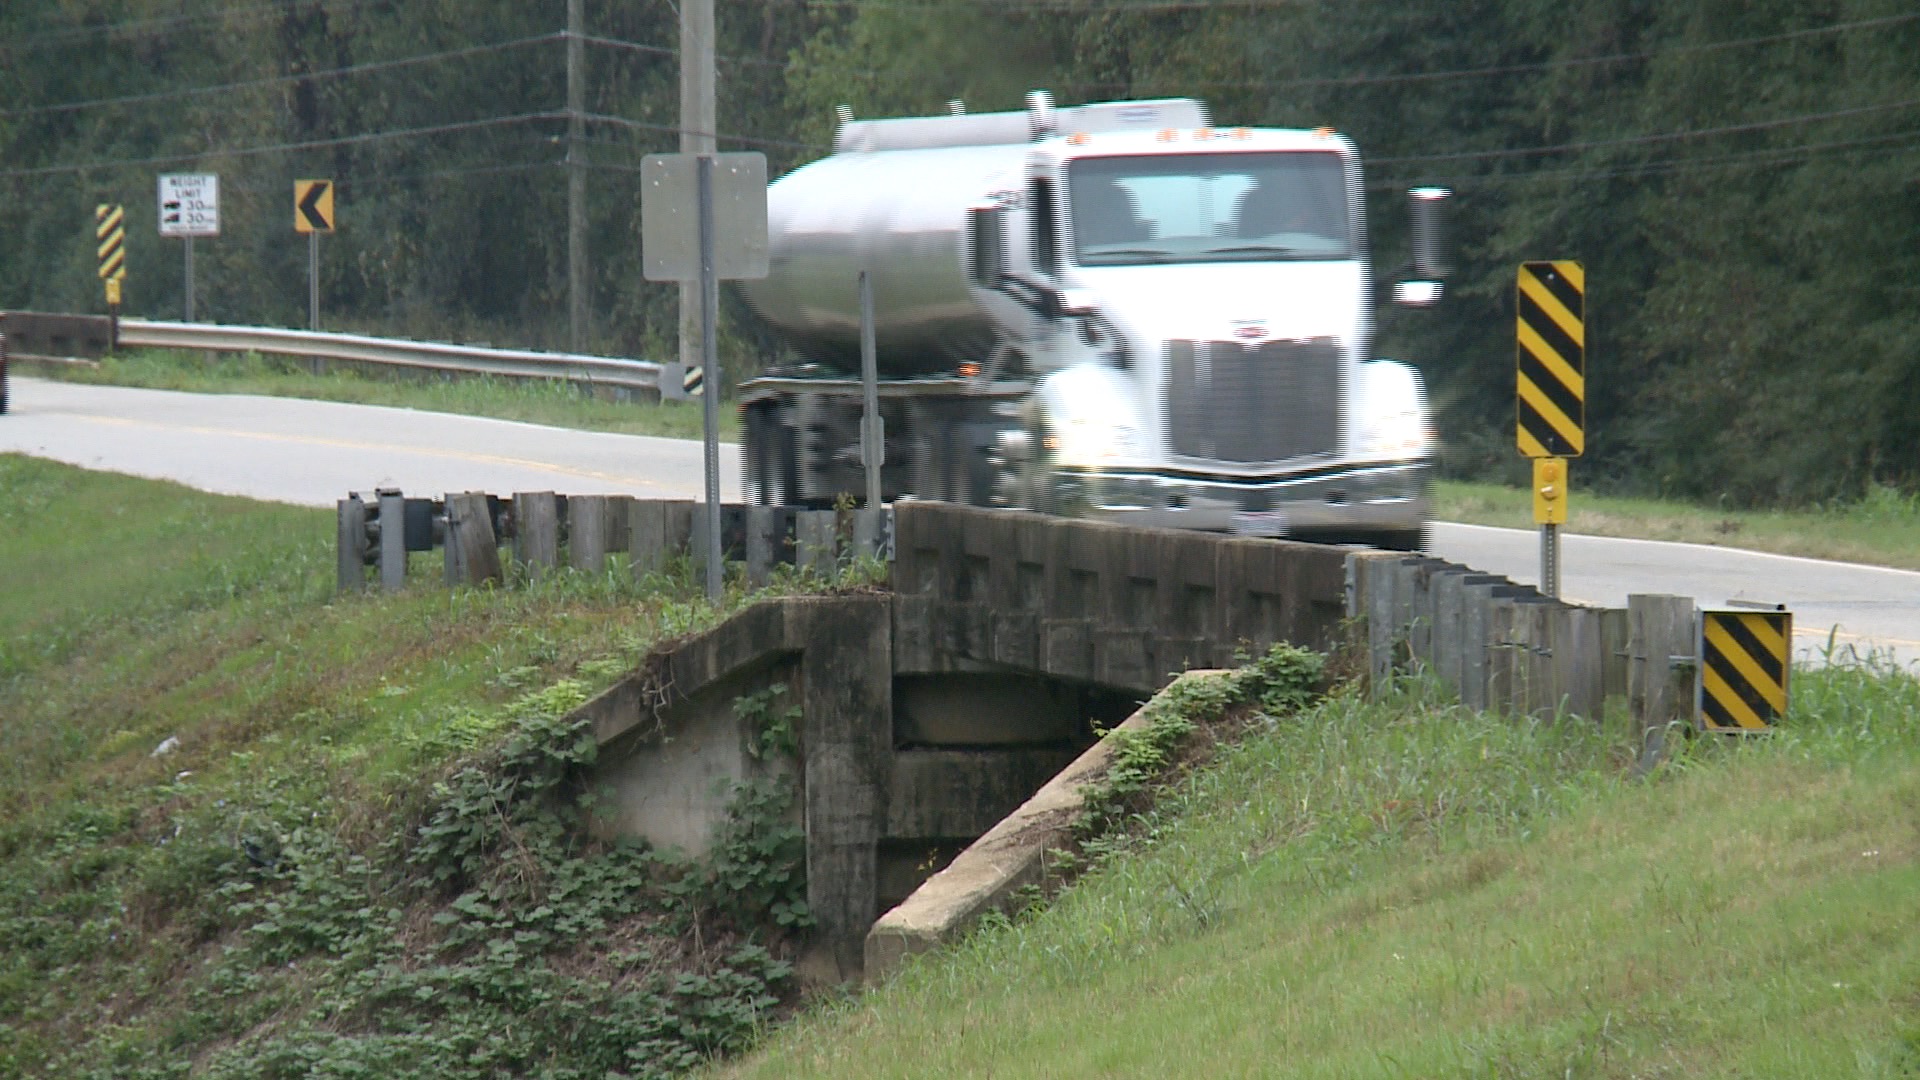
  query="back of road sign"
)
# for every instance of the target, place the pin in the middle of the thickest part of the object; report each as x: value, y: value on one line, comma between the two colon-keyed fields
x: 670, y: 216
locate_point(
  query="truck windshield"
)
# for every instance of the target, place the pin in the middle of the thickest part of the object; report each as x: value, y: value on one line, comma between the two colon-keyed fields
x: 1181, y: 208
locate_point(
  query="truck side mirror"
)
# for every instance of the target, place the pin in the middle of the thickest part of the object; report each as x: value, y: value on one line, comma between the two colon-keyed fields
x: 1428, y: 209
x: 987, y: 239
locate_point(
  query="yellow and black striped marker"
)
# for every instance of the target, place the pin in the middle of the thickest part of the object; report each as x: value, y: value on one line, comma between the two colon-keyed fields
x: 110, y: 239
x: 1744, y: 660
x: 1551, y: 406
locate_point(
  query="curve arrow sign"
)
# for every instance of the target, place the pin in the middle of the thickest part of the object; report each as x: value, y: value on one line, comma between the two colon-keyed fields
x: 313, y: 206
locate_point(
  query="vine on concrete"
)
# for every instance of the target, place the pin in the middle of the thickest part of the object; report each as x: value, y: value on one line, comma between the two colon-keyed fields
x: 1278, y: 683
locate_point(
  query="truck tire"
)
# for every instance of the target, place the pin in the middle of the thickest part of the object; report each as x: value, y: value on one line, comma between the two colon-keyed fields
x: 770, y: 467
x: 753, y: 465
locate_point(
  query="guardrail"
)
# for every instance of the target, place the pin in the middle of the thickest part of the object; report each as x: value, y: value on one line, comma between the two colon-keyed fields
x: 360, y: 348
x: 60, y: 337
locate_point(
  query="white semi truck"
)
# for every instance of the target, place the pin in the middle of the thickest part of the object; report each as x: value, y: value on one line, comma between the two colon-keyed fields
x: 1115, y: 310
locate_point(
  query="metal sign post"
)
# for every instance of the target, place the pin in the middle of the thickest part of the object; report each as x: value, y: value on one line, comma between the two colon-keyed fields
x: 1550, y: 399
x: 703, y: 217
x: 873, y: 445
x: 709, y: 361
x: 313, y: 215
x: 189, y: 207
x: 1550, y: 512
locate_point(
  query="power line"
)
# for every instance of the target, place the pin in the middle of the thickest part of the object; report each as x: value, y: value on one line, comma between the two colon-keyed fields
x: 158, y: 24
x: 309, y: 144
x: 281, y: 80
x: 1083, y: 7
x: 1544, y: 65
x: 382, y: 136
x: 662, y: 50
x: 623, y: 123
x: 1771, y: 156
x: 1637, y: 140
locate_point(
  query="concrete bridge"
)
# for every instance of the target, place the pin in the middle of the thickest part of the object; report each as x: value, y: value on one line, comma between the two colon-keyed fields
x: 929, y: 713
x: 925, y: 714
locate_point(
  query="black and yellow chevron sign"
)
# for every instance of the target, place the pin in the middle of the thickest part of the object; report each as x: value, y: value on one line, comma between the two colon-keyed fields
x: 313, y: 206
x: 110, y: 239
x: 1744, y: 660
x: 1552, y: 388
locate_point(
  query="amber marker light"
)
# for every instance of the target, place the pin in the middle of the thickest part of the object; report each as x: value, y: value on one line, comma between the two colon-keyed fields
x: 1078, y: 138
x: 1166, y: 135
x: 1242, y: 133
x: 969, y: 370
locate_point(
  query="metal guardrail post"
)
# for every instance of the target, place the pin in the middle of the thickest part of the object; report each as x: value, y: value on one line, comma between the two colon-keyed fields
x: 352, y: 548
x: 393, y: 539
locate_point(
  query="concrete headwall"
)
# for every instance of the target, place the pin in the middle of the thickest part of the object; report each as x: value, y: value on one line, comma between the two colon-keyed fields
x: 930, y: 713
x: 1113, y: 605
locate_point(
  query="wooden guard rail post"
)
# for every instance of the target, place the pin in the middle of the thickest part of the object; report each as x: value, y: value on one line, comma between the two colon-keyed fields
x: 586, y: 531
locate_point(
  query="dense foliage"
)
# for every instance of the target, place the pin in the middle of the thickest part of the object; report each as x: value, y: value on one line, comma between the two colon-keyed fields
x: 1742, y: 180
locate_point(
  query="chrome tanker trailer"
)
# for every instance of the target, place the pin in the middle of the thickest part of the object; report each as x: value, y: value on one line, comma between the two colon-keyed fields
x: 1114, y: 310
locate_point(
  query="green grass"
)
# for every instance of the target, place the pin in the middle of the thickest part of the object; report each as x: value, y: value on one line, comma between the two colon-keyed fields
x: 1882, y: 529
x: 534, y: 401
x: 364, y: 793
x: 1406, y: 889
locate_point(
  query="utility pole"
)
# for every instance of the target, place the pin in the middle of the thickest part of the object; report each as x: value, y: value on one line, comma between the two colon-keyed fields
x: 577, y: 287
x: 696, y: 137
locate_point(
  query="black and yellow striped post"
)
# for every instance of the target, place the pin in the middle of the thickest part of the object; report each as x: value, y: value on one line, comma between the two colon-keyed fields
x: 110, y: 247
x: 1551, y: 404
x: 1550, y: 399
x: 1745, y: 657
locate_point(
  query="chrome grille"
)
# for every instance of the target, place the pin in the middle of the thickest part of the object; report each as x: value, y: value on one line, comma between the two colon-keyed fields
x: 1272, y: 401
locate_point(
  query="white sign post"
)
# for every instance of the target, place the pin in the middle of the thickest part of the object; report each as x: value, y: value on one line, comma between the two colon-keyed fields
x: 703, y: 217
x: 189, y: 207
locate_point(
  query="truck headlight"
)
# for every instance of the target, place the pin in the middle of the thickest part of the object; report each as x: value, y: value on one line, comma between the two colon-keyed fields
x: 1090, y: 418
x: 1393, y: 410
x: 1088, y: 441
x: 1400, y: 434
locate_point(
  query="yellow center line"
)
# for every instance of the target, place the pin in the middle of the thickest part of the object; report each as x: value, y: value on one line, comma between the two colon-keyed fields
x: 1799, y: 631
x: 351, y: 444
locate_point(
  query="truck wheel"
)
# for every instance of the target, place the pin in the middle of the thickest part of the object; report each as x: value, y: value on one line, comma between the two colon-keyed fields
x: 768, y: 460
x: 753, y: 449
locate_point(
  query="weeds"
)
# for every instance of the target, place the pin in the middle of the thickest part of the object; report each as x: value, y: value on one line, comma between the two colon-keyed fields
x: 367, y: 849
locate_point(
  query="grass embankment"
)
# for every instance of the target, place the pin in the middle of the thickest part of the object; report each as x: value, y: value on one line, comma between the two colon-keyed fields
x: 1882, y: 529
x: 1405, y: 889
x: 533, y: 401
x: 362, y: 851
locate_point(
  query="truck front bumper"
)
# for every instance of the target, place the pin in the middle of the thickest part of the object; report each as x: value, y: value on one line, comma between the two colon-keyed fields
x: 1350, y: 503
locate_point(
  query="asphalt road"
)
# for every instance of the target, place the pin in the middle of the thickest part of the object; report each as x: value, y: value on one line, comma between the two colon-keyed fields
x: 314, y: 452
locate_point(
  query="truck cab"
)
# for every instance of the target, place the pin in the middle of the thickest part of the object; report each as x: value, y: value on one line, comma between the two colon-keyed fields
x: 1116, y: 310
